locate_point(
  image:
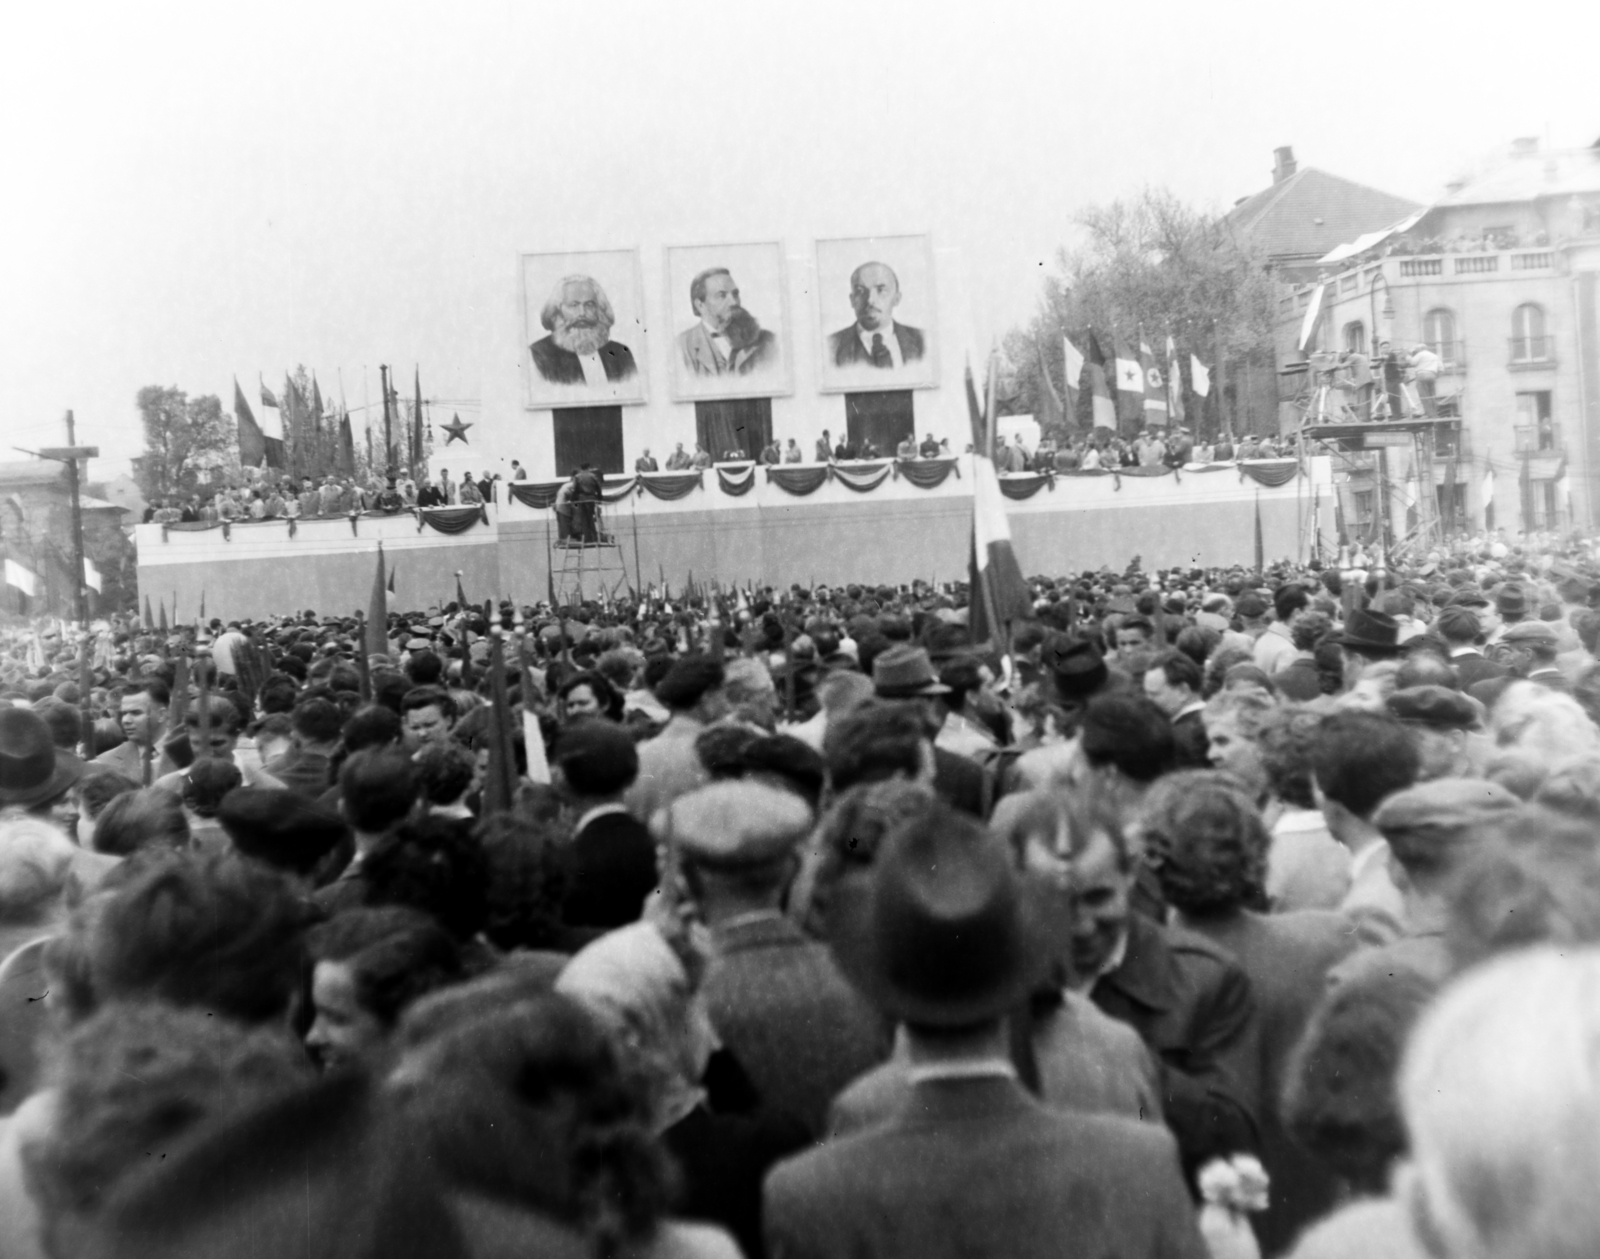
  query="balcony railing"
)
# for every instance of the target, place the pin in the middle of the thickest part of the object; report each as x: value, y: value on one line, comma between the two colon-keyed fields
x: 1476, y: 264
x: 1532, y: 351
x: 1539, y: 261
x: 1421, y: 266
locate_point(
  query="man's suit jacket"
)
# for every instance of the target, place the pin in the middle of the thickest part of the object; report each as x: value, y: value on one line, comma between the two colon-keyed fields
x: 127, y: 759
x: 561, y: 367
x: 1191, y: 1004
x: 1192, y: 744
x: 1287, y: 958
x: 847, y: 350
x: 976, y: 1167
x: 700, y: 358
x: 611, y: 870
x: 1489, y: 691
x: 1472, y: 668
x: 781, y: 1007
x: 1374, y: 903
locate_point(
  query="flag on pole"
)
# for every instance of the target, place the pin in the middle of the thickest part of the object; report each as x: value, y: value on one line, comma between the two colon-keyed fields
x: 161, y: 620
x: 1129, y: 382
x: 91, y: 575
x: 1174, y: 384
x: 990, y: 410
x: 1050, y: 417
x: 1155, y: 387
x: 1261, y: 549
x: 1308, y: 325
x: 461, y: 594
x: 22, y: 578
x: 1199, y: 377
x: 416, y: 422
x: 149, y: 617
x: 1563, y: 483
x: 1488, y: 487
x: 393, y: 569
x: 252, y: 442
x: 998, y: 595
x: 1074, y: 376
x: 347, y: 447
x: 974, y: 409
x: 378, y: 612
x: 1104, y: 409
x: 267, y: 399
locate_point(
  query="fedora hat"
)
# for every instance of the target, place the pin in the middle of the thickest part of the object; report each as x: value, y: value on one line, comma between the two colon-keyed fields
x: 904, y: 672
x: 1075, y: 665
x: 1371, y: 633
x: 944, y: 933
x: 30, y: 770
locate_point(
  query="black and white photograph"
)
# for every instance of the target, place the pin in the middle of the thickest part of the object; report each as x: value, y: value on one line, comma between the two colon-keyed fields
x: 730, y: 314
x: 585, y: 328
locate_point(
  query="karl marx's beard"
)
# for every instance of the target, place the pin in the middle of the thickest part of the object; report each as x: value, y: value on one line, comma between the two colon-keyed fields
x: 741, y: 328
x: 581, y: 336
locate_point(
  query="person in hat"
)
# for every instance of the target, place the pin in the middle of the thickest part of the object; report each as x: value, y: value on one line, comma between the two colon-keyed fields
x: 1441, y: 721
x: 945, y: 939
x: 777, y: 1000
x: 904, y: 675
x: 34, y: 775
x: 1434, y: 831
x: 1528, y: 650
x: 1462, y: 633
x: 1367, y: 638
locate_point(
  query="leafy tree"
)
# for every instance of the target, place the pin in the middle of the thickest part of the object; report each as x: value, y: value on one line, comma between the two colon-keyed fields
x: 187, y: 441
x: 1156, y: 265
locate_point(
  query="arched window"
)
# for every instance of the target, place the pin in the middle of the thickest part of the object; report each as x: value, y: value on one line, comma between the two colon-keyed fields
x: 1529, y: 344
x: 1355, y: 337
x: 1439, y: 331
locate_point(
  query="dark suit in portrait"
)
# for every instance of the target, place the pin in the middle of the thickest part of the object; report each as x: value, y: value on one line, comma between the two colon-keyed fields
x: 847, y: 350
x: 701, y: 358
x: 561, y: 367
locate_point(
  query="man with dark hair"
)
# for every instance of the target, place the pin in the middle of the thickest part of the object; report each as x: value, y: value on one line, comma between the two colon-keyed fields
x: 307, y: 767
x: 1173, y: 682
x: 280, y: 828
x: 434, y: 865
x: 1275, y: 648
x: 877, y: 741
x: 1132, y: 637
x: 424, y: 668
x: 1461, y: 631
x: 1528, y: 649
x: 611, y: 861
x: 429, y: 713
x: 1127, y: 742
x: 971, y: 1165
x: 775, y: 996
x: 142, y: 714
x: 1358, y: 761
x: 668, y: 764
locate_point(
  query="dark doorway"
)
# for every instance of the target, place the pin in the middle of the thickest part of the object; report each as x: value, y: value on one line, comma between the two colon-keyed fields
x: 733, y: 424
x: 885, y: 418
x: 588, y: 435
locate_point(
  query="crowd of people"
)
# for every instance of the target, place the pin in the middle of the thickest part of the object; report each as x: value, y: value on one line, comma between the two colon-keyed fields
x: 1215, y: 912
x: 270, y: 497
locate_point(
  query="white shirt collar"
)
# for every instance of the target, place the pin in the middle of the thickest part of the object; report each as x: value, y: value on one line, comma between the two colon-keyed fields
x: 890, y: 341
x: 1377, y: 850
x: 599, y: 811
x: 594, y: 371
x: 977, y: 1069
x: 1193, y: 706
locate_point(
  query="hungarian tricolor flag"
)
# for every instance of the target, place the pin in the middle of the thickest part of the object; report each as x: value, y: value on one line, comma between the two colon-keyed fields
x: 1129, y: 383
x: 999, y: 595
x: 1104, y: 409
x: 1155, y: 388
x: 1074, y: 376
x: 1174, y: 384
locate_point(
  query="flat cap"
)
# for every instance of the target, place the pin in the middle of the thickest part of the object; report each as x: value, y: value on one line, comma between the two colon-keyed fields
x: 279, y: 827
x: 1458, y: 619
x: 1469, y: 597
x: 1511, y: 600
x: 734, y: 824
x: 1530, y: 632
x: 1436, y: 706
x: 1432, y: 825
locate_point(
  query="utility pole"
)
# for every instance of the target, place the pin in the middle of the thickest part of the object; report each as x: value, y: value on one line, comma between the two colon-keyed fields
x: 388, y: 431
x: 69, y: 455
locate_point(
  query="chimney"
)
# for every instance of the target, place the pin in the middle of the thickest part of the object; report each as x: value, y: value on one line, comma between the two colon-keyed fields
x: 1524, y: 146
x: 1283, y: 164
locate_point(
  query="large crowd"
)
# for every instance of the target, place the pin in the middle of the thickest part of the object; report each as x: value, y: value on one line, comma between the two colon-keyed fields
x: 1214, y: 912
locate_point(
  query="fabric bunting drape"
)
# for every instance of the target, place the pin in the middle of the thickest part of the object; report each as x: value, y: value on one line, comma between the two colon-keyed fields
x: 536, y: 495
x: 738, y: 482
x: 670, y: 486
x: 799, y: 481
x: 451, y: 519
x: 862, y: 481
x: 1271, y: 472
x: 1021, y: 487
x: 927, y: 474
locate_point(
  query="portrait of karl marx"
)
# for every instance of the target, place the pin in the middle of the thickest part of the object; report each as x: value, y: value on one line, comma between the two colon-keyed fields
x: 579, y: 349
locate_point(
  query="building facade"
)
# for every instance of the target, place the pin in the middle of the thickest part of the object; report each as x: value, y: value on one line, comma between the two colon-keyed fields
x: 1499, y: 279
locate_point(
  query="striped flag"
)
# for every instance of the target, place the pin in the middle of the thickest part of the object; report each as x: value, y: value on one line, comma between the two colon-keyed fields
x: 1129, y: 382
x: 91, y: 575
x: 1155, y: 387
x: 252, y: 444
x: 1104, y: 411
x: 22, y: 578
x: 1199, y: 377
x: 1074, y: 362
x: 1174, y: 384
x: 999, y: 596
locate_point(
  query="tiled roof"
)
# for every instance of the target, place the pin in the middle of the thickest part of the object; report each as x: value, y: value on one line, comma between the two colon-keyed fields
x: 15, y: 475
x: 1524, y: 177
x: 1310, y: 212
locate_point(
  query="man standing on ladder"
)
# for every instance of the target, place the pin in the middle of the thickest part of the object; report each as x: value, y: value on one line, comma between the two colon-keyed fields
x: 586, y: 501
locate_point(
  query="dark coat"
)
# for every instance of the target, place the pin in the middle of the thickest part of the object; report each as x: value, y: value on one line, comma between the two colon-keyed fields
x: 1287, y: 958
x: 1191, y: 1003
x: 779, y: 1003
x: 977, y: 1167
x: 963, y: 783
x: 1299, y: 680
x: 561, y: 367
x: 847, y: 350
x: 1473, y: 668
x: 611, y: 870
x: 1190, y: 742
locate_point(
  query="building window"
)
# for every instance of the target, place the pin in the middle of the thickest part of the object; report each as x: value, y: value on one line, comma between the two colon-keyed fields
x: 1439, y: 331
x: 1529, y: 343
x: 1355, y: 337
x: 1361, y: 500
x: 1535, y: 426
x: 1453, y: 506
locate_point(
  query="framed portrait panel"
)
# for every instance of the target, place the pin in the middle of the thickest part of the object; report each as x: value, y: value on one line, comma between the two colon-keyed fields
x: 583, y: 329
x: 878, y: 318
x: 728, y: 309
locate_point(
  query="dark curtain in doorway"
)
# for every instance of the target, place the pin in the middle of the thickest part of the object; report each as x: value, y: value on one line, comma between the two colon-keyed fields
x: 588, y: 435
x: 742, y: 424
x: 887, y: 418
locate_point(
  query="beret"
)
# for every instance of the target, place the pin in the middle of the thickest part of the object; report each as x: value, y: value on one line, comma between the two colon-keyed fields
x: 1461, y: 619
x: 734, y: 824
x: 1530, y: 632
x: 1251, y: 605
x: 1436, y: 706
x: 1423, y: 823
x: 1075, y: 664
x: 279, y: 827
x: 1469, y: 597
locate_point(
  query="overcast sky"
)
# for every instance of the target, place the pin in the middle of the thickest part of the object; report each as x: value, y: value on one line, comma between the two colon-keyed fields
x: 210, y: 192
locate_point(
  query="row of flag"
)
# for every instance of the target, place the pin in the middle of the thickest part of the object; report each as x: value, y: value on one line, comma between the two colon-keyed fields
x: 1128, y: 385
x: 20, y: 577
x: 298, y: 435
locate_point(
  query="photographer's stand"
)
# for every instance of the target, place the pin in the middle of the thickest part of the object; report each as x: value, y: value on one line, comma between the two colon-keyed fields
x: 591, y: 570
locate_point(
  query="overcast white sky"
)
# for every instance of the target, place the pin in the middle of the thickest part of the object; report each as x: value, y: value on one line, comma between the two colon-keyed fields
x: 200, y: 192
